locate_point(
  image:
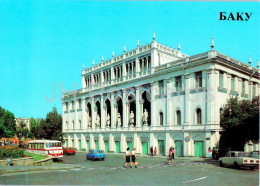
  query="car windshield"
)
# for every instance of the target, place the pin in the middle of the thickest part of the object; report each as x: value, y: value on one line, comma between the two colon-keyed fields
x: 255, y: 153
x: 243, y: 154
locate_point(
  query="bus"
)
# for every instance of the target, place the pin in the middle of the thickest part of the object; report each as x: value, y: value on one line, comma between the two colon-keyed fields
x: 50, y: 147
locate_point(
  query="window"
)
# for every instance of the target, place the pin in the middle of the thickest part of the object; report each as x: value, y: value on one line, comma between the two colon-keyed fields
x: 73, y: 126
x: 232, y: 82
x: 67, y: 126
x: 178, y: 117
x: 232, y: 154
x: 79, y: 100
x: 67, y: 107
x: 221, y: 79
x: 73, y: 105
x: 198, y: 116
x: 80, y: 124
x: 161, y: 118
x: 198, y: 77
x: 178, y: 84
x: 243, y: 86
x: 161, y: 87
x: 254, y: 90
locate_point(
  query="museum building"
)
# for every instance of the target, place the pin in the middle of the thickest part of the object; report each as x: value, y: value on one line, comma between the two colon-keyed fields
x: 155, y: 96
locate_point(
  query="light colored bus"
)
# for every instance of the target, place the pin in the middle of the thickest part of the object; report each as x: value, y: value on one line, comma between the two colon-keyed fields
x: 51, y: 147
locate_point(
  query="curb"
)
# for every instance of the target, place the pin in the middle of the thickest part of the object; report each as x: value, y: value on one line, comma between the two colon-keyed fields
x: 39, y: 169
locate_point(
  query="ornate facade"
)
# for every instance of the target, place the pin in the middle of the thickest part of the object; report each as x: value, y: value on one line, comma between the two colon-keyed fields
x: 155, y: 96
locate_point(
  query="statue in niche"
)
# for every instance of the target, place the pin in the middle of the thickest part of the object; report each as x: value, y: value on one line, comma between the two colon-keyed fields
x: 89, y: 121
x: 145, y: 117
x: 108, y: 120
x: 118, y: 119
x: 131, y: 121
x: 97, y: 121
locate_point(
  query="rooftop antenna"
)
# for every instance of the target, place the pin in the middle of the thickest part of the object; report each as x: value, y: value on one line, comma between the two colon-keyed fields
x: 212, y: 43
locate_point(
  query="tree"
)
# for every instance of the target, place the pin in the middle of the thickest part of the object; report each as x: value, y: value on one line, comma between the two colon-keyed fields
x: 7, y: 123
x: 22, y: 130
x: 240, y: 122
x: 34, y: 124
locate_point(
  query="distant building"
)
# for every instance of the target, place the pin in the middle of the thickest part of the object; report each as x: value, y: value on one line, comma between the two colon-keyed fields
x: 155, y: 96
x: 25, y: 120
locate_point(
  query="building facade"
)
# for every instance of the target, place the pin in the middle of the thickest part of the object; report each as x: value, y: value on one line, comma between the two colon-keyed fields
x: 155, y: 96
x: 26, y: 121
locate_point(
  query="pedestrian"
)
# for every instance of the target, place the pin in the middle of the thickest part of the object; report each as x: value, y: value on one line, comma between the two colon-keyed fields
x: 127, y: 157
x: 213, y: 153
x: 133, y: 158
x: 170, y: 156
x: 209, y: 153
x: 173, y: 152
x: 151, y: 150
x: 155, y: 151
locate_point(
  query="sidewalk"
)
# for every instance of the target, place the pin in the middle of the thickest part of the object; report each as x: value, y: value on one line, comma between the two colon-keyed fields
x: 54, y: 166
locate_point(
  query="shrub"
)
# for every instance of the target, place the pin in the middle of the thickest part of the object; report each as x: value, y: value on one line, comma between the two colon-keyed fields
x: 11, y: 152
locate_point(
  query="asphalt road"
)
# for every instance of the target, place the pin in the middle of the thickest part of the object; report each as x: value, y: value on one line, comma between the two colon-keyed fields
x: 152, y: 171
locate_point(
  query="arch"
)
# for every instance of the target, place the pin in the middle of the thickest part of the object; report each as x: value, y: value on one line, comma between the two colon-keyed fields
x: 161, y: 118
x: 198, y: 116
x: 118, y: 97
x: 119, y: 104
x: 107, y: 98
x: 178, y: 116
x: 108, y: 112
x: 146, y: 105
x: 132, y: 96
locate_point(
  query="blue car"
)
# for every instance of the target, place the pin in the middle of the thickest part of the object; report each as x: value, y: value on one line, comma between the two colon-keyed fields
x: 95, y: 155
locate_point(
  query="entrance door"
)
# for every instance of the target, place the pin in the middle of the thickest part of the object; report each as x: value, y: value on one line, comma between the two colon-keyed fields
x: 198, y: 147
x: 178, y: 148
x: 144, y: 148
x: 130, y: 145
x: 106, y: 146
x: 118, y: 146
x: 161, y: 150
x: 96, y: 145
x: 88, y: 145
x: 73, y: 143
x: 79, y: 144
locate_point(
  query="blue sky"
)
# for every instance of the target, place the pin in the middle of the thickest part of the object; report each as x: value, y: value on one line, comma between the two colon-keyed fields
x: 46, y: 42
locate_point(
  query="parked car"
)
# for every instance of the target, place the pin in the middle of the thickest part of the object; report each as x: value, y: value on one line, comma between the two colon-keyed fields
x: 69, y: 150
x: 238, y: 159
x: 95, y: 154
x: 255, y: 154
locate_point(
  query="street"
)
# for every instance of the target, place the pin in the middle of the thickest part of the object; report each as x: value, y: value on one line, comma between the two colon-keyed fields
x: 152, y: 170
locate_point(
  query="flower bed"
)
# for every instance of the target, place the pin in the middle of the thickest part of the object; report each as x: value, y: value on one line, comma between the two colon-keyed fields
x: 13, y: 152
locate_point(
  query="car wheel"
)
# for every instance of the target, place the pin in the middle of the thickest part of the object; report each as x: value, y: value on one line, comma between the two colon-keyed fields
x: 236, y: 165
x: 252, y: 167
x: 93, y: 159
x: 221, y: 164
x: 102, y: 159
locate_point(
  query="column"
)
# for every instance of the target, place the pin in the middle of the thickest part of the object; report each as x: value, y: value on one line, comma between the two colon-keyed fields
x: 124, y: 71
x: 112, y: 75
x: 141, y: 103
x: 136, y: 67
x: 103, y: 122
x: 168, y: 104
x: 127, y: 114
x: 153, y: 104
x: 137, y: 104
x: 83, y: 113
x: 124, y: 109
x: 92, y: 113
x: 187, y: 99
x: 132, y: 71
x: 209, y: 97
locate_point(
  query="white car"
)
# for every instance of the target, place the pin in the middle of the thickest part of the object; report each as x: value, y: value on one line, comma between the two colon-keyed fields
x: 238, y: 159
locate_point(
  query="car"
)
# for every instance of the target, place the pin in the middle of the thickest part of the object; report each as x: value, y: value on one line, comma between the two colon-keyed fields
x: 69, y: 150
x: 255, y: 154
x: 239, y: 159
x: 95, y: 155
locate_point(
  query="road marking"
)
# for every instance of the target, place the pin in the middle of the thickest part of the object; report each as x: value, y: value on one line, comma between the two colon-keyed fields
x: 195, y: 179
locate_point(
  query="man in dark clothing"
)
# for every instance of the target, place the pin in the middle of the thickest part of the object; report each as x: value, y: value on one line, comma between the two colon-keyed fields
x: 213, y: 153
x: 151, y: 150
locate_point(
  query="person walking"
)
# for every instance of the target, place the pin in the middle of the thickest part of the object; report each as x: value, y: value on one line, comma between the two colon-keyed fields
x: 155, y: 151
x: 133, y: 158
x: 173, y: 152
x: 209, y: 153
x: 151, y: 150
x: 170, y: 156
x: 213, y: 153
x: 127, y: 157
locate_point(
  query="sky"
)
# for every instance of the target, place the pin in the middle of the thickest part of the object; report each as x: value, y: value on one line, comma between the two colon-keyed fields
x: 43, y: 43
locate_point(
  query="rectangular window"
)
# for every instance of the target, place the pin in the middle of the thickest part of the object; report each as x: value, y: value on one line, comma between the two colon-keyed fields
x: 254, y: 90
x: 243, y: 86
x: 73, y: 105
x: 221, y: 79
x: 161, y: 87
x: 198, y: 77
x: 79, y: 100
x: 178, y: 84
x: 73, y: 126
x: 80, y: 124
x: 232, y: 82
x: 67, y: 126
x: 67, y: 107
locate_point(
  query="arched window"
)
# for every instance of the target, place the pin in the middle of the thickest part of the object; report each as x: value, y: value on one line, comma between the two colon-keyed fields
x: 198, y: 116
x: 178, y: 117
x: 161, y: 118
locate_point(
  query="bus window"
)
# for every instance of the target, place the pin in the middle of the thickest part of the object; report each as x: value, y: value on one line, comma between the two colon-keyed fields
x: 48, y: 145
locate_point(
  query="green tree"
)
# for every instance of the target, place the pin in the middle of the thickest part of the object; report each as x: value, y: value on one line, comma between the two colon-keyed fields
x: 54, y: 124
x: 7, y: 123
x: 240, y: 123
x: 22, y: 130
x: 34, y: 124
